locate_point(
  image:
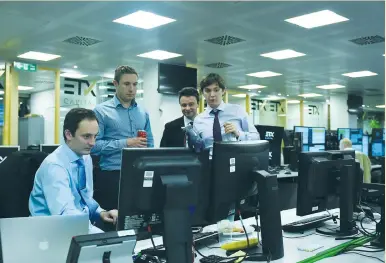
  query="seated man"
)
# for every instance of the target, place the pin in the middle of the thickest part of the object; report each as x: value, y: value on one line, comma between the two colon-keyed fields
x: 64, y: 181
x: 363, y: 159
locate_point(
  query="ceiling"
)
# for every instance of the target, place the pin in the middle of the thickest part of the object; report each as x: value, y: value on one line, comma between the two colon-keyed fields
x: 261, y: 25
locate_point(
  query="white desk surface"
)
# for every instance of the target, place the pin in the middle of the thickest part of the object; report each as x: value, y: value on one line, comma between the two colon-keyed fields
x: 291, y: 252
x: 282, y: 174
x: 376, y: 166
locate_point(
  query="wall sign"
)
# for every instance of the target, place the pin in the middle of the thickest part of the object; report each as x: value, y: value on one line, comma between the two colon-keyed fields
x: 78, y: 92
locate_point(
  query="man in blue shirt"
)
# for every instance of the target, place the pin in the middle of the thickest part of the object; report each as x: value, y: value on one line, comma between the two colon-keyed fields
x: 221, y: 121
x: 64, y: 181
x: 120, y: 118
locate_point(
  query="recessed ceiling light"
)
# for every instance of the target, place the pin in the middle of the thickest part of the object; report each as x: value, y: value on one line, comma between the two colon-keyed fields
x: 287, y: 95
x: 317, y: 19
x: 159, y: 55
x: 1, y: 98
x: 264, y: 74
x: 330, y: 86
x: 259, y: 91
x: 309, y: 95
x: 104, y: 87
x: 239, y: 95
x: 140, y: 91
x: 283, y: 54
x: 252, y: 86
x: 24, y: 88
x: 38, y: 56
x: 293, y: 101
x: 75, y: 66
x: 1, y: 92
x: 145, y: 20
x: 359, y: 74
x: 380, y: 106
x: 73, y: 75
x: 328, y: 101
x: 108, y: 76
x: 279, y: 94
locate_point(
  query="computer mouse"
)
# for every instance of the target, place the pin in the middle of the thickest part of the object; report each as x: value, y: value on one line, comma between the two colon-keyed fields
x: 146, y: 259
x: 288, y: 172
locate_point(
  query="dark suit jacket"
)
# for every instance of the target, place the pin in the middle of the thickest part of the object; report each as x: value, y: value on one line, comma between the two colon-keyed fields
x: 173, y: 136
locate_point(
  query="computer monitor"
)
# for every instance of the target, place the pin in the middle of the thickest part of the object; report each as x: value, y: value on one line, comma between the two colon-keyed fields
x: 274, y: 135
x: 232, y: 180
x: 365, y: 144
x: 377, y: 149
x: 343, y: 133
x: 104, y: 247
x: 304, y: 130
x: 357, y: 147
x: 159, y: 191
x: 377, y: 135
x: 356, y: 136
x: 48, y: 148
x: 6, y: 151
x: 314, y: 138
x: 318, y: 135
x: 326, y: 174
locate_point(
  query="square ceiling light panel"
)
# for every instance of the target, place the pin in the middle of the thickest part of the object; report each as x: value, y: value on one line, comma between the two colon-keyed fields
x: 360, y: 74
x: 73, y: 75
x: 159, y: 55
x: 309, y: 95
x: 24, y: 88
x: 38, y: 56
x: 264, y: 74
x: 239, y: 95
x: 144, y: 20
x: 293, y: 101
x: 331, y: 86
x: 252, y: 86
x: 283, y: 54
x: 317, y: 19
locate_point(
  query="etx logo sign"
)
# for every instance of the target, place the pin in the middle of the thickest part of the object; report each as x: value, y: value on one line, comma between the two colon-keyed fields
x: 313, y: 110
x: 269, y: 135
x: 2, y: 159
x: 274, y: 106
x: 74, y: 87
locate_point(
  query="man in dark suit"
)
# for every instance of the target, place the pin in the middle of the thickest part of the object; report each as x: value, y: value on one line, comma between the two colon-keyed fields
x: 173, y: 135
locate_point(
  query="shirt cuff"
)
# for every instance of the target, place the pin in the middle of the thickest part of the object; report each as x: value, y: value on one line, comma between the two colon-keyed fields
x: 99, y: 210
x: 123, y: 143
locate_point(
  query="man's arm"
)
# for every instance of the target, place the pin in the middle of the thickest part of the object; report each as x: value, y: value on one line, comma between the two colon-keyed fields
x: 248, y: 130
x: 150, y: 138
x: 57, y: 191
x: 106, y: 146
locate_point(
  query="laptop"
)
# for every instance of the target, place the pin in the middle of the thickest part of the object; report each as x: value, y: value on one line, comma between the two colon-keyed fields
x: 39, y: 239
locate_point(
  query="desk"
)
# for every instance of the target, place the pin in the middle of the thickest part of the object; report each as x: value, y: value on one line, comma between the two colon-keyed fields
x: 282, y: 174
x: 291, y: 252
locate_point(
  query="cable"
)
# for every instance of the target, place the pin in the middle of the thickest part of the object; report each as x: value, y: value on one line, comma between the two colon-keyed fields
x: 353, y: 252
x: 151, y: 236
x: 300, y: 236
x: 245, y: 231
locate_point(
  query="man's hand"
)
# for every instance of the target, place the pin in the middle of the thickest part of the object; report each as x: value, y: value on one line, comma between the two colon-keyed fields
x: 137, y: 142
x: 231, y: 128
x: 109, y: 216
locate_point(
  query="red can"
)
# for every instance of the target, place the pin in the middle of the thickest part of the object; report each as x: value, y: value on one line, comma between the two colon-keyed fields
x: 141, y: 134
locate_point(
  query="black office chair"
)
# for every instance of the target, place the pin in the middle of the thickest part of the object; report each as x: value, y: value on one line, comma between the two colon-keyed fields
x: 17, y: 174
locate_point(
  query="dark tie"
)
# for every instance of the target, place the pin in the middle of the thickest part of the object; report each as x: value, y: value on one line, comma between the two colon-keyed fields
x: 216, y: 127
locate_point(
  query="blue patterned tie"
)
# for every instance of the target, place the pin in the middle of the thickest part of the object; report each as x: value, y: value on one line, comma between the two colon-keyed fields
x: 217, y: 137
x: 89, y: 202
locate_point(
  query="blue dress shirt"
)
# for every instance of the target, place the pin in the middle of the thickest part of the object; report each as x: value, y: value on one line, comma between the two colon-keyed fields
x: 116, y: 125
x: 203, y: 124
x: 57, y: 189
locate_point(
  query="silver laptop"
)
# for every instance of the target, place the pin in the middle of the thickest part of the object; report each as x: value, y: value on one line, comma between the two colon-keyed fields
x: 39, y: 239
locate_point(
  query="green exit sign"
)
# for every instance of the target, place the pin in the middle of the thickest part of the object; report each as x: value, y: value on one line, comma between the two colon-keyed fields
x: 24, y: 66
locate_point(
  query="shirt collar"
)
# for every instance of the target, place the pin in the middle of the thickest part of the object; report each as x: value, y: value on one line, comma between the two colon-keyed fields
x: 116, y: 102
x: 72, y: 156
x: 187, y: 121
x: 220, y: 107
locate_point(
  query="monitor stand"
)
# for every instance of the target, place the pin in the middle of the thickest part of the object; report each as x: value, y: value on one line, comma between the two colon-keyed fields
x: 346, y: 200
x: 178, y: 237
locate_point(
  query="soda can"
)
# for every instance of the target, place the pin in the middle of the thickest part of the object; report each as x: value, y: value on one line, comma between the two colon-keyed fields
x: 141, y: 134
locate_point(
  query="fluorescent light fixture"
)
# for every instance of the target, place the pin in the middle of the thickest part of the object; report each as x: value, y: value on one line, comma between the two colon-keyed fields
x: 264, y: 74
x: 252, y: 86
x: 287, y: 95
x: 239, y: 95
x: 293, y: 101
x: 1, y: 92
x: 38, y: 56
x: 104, y: 87
x: 330, y: 86
x: 279, y: 94
x: 24, y: 88
x: 359, y: 74
x: 380, y: 106
x: 283, y: 54
x: 73, y: 75
x: 108, y: 76
x: 105, y: 95
x: 75, y: 66
x: 259, y: 91
x: 159, y: 55
x: 317, y: 19
x: 309, y: 95
x: 282, y: 115
x: 140, y: 91
x: 1, y: 98
x: 272, y: 98
x: 144, y: 20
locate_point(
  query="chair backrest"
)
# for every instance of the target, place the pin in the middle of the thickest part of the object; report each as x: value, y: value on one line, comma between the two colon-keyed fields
x: 17, y: 175
x: 365, y: 162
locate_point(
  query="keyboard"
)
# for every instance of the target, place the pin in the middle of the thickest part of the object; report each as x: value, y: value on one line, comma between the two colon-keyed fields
x: 216, y: 259
x: 306, y: 224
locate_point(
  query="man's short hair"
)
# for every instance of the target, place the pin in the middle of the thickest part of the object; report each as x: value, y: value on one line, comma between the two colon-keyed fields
x: 210, y: 79
x: 74, y: 117
x: 189, y: 92
x: 121, y: 70
x: 345, y: 143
